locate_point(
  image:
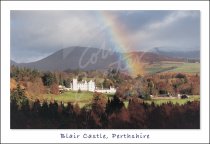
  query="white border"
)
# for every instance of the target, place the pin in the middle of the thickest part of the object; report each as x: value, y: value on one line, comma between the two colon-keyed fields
x: 53, y: 136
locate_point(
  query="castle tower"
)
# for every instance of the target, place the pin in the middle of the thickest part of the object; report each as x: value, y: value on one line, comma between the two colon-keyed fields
x: 75, y: 85
x: 85, y: 86
x: 91, y: 86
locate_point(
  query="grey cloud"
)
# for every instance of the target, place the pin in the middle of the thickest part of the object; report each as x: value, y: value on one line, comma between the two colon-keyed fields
x: 36, y: 34
x: 179, y: 31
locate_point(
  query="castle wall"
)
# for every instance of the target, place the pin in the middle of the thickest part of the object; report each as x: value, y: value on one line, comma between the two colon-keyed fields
x: 89, y: 86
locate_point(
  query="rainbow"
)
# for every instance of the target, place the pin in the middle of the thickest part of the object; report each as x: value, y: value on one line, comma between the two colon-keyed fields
x: 117, y: 33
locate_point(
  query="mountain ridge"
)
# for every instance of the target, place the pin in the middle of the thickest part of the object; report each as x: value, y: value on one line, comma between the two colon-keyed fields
x: 88, y: 58
x: 194, y: 54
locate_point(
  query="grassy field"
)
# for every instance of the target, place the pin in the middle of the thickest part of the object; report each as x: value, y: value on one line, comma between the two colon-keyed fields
x: 167, y: 66
x: 174, y: 101
x: 84, y: 98
x: 188, y: 68
x: 73, y: 97
x: 81, y: 98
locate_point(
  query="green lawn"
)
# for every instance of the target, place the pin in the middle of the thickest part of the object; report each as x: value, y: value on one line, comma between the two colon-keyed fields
x: 81, y: 98
x: 187, y: 68
x: 73, y: 97
x: 174, y: 101
x: 84, y: 98
x: 172, y: 67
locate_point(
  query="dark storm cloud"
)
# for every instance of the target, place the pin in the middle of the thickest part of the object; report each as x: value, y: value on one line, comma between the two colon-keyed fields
x: 36, y: 34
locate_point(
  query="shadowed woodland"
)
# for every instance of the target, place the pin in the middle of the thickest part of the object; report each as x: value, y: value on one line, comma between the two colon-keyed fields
x: 99, y: 115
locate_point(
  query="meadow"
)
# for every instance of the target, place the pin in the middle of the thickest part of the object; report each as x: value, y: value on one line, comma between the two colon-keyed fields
x: 169, y: 66
x: 175, y: 100
x: 83, y: 98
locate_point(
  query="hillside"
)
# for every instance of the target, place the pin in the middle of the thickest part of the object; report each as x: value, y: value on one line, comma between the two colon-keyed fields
x: 195, y: 54
x: 89, y: 59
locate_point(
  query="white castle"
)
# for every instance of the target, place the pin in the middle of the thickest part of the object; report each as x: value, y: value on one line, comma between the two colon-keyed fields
x: 83, y: 86
x: 86, y: 86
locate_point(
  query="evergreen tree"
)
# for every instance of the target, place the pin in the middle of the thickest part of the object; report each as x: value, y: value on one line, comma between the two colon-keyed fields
x: 114, y: 106
x: 18, y: 95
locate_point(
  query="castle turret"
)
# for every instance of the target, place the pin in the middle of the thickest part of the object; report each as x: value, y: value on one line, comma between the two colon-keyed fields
x: 75, y: 86
x: 91, y: 86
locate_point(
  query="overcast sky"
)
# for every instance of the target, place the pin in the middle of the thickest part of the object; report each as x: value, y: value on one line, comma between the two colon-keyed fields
x: 36, y: 34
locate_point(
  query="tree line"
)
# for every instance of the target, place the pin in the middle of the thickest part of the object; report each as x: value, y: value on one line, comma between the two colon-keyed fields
x: 102, y: 114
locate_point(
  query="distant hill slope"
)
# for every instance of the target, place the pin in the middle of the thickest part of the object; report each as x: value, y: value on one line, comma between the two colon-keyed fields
x: 88, y: 59
x: 179, y: 54
x: 73, y: 58
x: 13, y: 62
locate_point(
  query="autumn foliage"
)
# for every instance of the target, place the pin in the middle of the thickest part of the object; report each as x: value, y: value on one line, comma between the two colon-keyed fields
x: 29, y: 111
x: 110, y: 115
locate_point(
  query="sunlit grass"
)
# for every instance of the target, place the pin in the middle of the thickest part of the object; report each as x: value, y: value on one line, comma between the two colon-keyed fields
x: 187, y: 68
x: 174, y: 101
x: 82, y: 98
x: 173, y: 67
